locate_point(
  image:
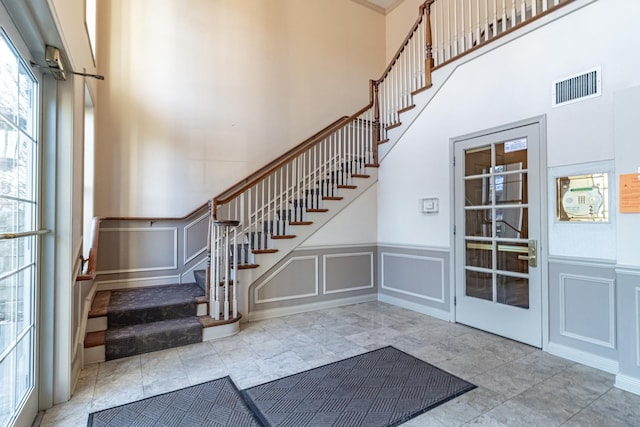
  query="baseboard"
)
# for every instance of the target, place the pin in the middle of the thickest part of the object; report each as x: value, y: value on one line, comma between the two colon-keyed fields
x: 94, y: 354
x: 579, y: 356
x: 220, y: 331
x: 628, y: 383
x: 429, y: 311
x: 109, y: 285
x: 304, y: 308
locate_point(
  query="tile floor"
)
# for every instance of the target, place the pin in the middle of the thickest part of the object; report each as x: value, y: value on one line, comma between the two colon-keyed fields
x: 517, y: 384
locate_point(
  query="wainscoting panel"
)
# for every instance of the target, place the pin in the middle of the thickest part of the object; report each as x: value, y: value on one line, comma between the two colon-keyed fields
x: 128, y: 250
x: 582, y: 306
x: 628, y: 377
x: 195, y: 238
x: 419, y: 276
x: 314, y: 278
x: 296, y: 278
x: 347, y: 272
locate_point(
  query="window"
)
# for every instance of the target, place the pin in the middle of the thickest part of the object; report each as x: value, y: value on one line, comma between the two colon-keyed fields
x: 18, y: 225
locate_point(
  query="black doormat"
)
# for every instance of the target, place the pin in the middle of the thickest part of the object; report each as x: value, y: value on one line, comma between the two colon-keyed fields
x: 214, y: 403
x: 384, y: 387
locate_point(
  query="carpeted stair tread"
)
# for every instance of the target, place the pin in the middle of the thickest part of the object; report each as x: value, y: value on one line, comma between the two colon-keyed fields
x: 152, y: 304
x: 130, y: 340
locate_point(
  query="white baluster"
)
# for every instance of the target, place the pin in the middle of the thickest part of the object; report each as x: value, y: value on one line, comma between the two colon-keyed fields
x: 235, y: 274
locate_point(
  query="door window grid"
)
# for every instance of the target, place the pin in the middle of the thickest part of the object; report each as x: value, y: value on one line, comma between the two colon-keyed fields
x: 493, y: 239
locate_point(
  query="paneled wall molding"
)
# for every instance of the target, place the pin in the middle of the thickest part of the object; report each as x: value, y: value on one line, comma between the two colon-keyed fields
x: 579, y: 356
x: 187, y: 258
x: 611, y: 315
x: 290, y: 261
x: 629, y: 270
x: 395, y: 288
x: 303, y: 308
x: 334, y: 247
x: 637, y: 325
x: 174, y: 248
x: 107, y: 285
x: 589, y: 262
x: 415, y: 247
x: 188, y: 277
x: 325, y: 259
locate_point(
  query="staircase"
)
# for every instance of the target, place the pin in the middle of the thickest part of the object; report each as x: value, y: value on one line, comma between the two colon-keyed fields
x: 129, y: 322
x: 258, y: 221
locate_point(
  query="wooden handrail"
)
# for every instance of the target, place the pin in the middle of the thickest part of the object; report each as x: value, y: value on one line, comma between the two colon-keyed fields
x: 427, y: 4
x: 252, y: 179
x: 231, y: 192
x: 92, y: 261
x: 155, y: 219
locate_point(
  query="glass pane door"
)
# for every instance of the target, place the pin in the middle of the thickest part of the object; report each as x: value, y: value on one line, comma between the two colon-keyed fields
x: 497, y: 219
x: 18, y: 222
x: 496, y: 223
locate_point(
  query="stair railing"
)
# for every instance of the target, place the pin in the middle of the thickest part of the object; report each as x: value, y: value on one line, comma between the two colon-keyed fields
x: 223, y: 299
x: 270, y: 201
x: 462, y: 25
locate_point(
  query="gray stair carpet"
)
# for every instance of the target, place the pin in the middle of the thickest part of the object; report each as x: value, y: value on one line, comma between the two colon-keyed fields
x: 143, y: 320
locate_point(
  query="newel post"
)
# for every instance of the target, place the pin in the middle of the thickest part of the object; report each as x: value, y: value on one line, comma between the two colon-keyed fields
x: 209, y: 231
x: 428, y: 59
x: 376, y: 119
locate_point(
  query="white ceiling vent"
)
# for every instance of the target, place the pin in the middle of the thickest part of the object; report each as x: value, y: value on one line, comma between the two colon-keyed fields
x: 577, y: 87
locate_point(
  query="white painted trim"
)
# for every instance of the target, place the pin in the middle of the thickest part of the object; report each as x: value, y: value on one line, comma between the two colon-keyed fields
x: 354, y: 254
x: 582, y: 262
x: 185, y: 240
x: 202, y: 265
x: 416, y: 247
x: 429, y: 311
x: 97, y: 324
x: 281, y: 268
x: 413, y: 294
x: 629, y: 270
x: 612, y: 321
x: 579, y: 356
x: 141, y: 282
x: 220, y: 331
x: 334, y: 247
x: 637, y: 326
x: 144, y: 229
x: 627, y: 383
x: 94, y: 354
x: 304, y: 308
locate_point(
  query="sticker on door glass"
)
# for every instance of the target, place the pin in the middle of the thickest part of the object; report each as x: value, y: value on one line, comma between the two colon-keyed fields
x: 515, y: 145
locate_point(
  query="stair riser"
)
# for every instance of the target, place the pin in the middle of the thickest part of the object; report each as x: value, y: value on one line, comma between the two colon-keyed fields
x: 152, y: 314
x: 140, y: 344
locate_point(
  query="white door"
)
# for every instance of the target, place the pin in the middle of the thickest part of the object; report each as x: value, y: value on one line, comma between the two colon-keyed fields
x: 19, y: 234
x: 497, y: 231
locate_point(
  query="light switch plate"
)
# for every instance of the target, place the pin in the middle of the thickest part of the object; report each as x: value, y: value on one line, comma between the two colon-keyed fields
x: 429, y: 205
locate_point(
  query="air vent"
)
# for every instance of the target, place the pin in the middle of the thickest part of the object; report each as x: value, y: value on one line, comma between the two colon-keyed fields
x: 577, y: 87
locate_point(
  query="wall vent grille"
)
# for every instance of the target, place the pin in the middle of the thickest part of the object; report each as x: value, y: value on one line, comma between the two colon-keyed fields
x: 578, y: 87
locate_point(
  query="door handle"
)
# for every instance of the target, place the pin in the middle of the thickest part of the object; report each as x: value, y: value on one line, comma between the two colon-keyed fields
x: 532, y: 256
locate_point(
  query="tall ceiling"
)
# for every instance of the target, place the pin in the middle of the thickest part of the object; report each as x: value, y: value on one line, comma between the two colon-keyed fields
x: 382, y: 6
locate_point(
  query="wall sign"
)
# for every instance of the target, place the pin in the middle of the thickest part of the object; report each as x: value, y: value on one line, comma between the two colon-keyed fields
x: 630, y: 193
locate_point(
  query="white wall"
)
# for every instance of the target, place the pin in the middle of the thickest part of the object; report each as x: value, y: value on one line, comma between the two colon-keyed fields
x: 200, y: 93
x: 505, y: 85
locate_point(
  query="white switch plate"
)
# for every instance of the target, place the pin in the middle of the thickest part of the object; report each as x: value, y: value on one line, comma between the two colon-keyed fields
x: 429, y: 205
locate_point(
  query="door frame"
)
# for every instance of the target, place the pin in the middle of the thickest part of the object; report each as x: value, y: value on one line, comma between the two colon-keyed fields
x: 541, y: 122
